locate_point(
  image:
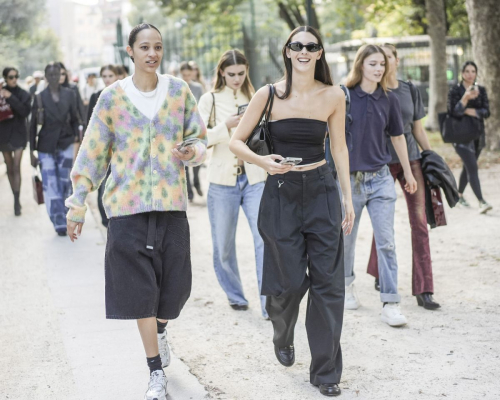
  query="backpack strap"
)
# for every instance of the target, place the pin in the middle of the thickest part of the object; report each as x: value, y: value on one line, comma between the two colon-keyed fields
x: 412, y: 91
x: 348, y: 116
x: 347, y: 99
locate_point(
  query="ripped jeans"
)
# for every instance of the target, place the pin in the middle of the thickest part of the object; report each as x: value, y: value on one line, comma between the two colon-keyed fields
x: 376, y: 191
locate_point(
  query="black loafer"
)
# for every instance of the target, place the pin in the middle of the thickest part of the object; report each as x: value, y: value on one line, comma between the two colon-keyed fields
x: 285, y: 355
x: 425, y: 300
x: 329, y: 389
x: 239, y: 307
x: 377, y: 285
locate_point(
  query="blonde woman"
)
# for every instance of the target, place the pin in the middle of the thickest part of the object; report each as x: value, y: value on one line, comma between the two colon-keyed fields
x: 376, y: 115
x: 233, y: 183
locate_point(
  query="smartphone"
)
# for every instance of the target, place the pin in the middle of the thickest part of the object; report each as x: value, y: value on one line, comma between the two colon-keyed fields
x: 241, y: 109
x: 473, y: 87
x: 291, y: 161
x: 188, y: 142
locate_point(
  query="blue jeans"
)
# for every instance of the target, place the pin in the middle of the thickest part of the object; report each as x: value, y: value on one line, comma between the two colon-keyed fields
x: 56, y: 168
x: 223, y: 208
x: 376, y: 191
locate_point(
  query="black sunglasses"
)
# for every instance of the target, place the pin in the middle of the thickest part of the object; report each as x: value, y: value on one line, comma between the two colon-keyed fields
x: 310, y: 47
x: 13, y: 77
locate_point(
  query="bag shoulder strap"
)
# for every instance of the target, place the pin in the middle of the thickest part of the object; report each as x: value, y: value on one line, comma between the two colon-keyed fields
x: 270, y: 101
x: 212, y: 111
x: 264, y: 114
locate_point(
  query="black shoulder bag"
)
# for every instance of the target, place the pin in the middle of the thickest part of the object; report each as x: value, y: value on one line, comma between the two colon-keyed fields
x: 459, y: 130
x: 260, y: 141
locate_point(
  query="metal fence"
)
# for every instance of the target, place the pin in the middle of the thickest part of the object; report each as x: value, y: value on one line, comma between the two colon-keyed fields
x: 413, y: 51
x: 414, y: 54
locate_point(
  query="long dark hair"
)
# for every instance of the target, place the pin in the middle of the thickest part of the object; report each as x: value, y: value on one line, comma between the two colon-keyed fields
x: 467, y: 63
x: 66, y: 80
x: 321, y: 70
x: 233, y: 57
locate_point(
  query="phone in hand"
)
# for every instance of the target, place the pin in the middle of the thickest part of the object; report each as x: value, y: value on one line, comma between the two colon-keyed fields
x: 291, y: 161
x: 473, y: 87
x: 241, y: 109
x: 186, y: 143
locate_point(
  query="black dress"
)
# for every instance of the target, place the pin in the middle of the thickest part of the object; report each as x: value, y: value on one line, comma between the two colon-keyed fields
x: 14, y: 131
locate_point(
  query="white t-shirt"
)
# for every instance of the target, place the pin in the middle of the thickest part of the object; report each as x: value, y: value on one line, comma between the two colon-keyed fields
x: 148, y: 103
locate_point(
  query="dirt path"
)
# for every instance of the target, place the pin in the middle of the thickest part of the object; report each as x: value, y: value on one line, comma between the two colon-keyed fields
x: 451, y: 353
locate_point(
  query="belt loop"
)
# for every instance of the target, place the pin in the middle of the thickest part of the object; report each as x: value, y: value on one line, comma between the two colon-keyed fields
x: 150, y: 241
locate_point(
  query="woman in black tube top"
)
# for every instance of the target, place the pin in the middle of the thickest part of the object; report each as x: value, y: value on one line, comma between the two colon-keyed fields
x: 300, y: 213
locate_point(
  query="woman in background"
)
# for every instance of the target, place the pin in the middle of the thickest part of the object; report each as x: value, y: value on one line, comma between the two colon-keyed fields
x: 55, y: 144
x: 233, y: 182
x: 13, y: 131
x: 197, y: 76
x: 376, y: 118
x: 412, y: 110
x: 109, y: 75
x: 468, y: 98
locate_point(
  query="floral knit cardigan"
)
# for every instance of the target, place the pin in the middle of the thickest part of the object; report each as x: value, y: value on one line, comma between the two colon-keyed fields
x: 145, y: 175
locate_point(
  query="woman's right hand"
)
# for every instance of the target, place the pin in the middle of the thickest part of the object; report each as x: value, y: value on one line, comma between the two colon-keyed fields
x: 348, y: 222
x: 470, y: 94
x: 34, y: 160
x: 269, y: 164
x: 232, y: 121
x: 74, y: 229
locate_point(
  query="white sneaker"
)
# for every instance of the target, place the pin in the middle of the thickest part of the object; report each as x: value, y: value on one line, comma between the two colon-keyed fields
x: 484, y: 207
x: 164, y: 349
x: 351, y: 301
x: 157, y: 388
x: 391, y: 315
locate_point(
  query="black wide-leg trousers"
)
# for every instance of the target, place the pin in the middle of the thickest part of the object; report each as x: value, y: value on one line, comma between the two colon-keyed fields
x: 300, y: 222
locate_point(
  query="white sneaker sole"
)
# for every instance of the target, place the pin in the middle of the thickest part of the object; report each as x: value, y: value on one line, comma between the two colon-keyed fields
x: 485, y: 210
x: 161, y: 397
x: 351, y: 306
x: 394, y: 323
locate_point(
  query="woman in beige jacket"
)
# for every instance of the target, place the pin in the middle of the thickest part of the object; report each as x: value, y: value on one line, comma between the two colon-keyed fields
x: 233, y: 183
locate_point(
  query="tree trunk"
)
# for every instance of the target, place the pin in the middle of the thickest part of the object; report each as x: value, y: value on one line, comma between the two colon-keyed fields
x: 285, y: 16
x: 438, y: 89
x: 484, y: 18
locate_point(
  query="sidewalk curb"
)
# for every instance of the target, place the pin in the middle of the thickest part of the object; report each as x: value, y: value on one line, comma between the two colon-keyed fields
x: 182, y: 384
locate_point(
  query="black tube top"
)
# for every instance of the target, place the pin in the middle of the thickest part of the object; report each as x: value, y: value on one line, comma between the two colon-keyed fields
x: 299, y: 137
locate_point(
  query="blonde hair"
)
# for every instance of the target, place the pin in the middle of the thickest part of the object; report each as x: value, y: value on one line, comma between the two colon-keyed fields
x: 356, y: 74
x: 233, y: 57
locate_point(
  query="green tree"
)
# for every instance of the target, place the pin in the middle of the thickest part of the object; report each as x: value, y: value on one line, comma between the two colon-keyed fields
x: 23, y: 43
x: 484, y: 17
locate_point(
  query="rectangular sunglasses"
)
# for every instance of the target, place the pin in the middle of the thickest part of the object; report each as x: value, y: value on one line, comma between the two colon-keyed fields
x: 310, y: 47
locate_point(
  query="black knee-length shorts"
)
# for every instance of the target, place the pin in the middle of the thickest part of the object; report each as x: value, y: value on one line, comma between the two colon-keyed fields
x: 147, y: 265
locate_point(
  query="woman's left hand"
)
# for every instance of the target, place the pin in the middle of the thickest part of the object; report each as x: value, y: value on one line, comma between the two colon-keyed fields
x: 186, y: 154
x: 411, y: 183
x: 470, y: 112
x: 348, y: 222
x: 5, y: 93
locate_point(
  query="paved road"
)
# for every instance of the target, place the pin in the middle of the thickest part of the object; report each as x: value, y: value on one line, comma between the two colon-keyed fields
x: 55, y: 341
x: 56, y: 344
